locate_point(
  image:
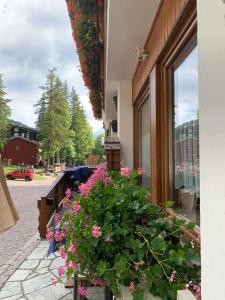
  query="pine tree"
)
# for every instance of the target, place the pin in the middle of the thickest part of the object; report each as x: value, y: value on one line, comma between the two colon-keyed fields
x: 83, y: 137
x: 98, y: 149
x: 53, y: 117
x: 4, y: 114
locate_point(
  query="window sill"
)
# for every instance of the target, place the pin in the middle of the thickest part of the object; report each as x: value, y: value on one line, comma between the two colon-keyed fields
x: 193, y: 235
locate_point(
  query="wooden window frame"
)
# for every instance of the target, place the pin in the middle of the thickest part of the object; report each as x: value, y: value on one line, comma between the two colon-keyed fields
x: 184, y: 32
x: 143, y: 96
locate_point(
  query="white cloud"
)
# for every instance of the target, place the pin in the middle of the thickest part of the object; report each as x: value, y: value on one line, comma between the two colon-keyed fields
x: 36, y: 35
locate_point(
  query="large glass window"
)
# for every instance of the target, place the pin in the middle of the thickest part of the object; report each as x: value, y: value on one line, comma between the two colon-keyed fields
x: 145, y: 141
x: 186, y: 136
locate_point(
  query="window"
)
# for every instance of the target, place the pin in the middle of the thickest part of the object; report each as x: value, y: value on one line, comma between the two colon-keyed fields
x: 185, y: 134
x: 144, y: 151
x: 142, y: 126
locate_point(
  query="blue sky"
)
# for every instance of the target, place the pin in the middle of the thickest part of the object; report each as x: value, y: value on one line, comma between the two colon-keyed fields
x: 36, y: 35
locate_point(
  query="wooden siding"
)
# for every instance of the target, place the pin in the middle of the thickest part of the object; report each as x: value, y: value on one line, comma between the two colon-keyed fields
x: 166, y: 18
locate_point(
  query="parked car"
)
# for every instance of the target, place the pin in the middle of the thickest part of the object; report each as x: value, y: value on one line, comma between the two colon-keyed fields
x: 23, y: 173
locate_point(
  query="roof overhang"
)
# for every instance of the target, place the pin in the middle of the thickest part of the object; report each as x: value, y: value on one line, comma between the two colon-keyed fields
x: 128, y: 24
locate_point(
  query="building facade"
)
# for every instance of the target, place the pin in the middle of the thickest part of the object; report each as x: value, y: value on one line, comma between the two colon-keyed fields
x: 22, y: 146
x: 164, y: 63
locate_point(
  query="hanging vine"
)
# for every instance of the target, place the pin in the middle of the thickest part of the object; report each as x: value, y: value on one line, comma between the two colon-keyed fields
x: 85, y: 26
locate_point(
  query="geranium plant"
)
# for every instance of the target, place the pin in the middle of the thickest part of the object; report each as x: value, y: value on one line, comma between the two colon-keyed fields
x: 117, y: 237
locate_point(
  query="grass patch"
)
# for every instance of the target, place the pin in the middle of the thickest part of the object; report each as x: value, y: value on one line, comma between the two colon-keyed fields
x: 39, y: 177
x: 9, y: 169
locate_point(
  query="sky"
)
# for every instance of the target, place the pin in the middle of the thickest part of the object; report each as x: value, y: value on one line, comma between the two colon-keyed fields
x: 186, y: 89
x: 35, y: 36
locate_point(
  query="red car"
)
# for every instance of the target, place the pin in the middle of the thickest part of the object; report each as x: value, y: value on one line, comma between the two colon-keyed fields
x: 23, y: 173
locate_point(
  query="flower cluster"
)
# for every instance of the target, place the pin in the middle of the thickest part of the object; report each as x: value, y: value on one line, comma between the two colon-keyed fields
x: 118, y: 237
x: 99, y: 175
x: 96, y: 231
x: 125, y: 172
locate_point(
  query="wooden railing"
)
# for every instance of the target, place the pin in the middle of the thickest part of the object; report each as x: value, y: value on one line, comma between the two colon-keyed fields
x: 50, y: 200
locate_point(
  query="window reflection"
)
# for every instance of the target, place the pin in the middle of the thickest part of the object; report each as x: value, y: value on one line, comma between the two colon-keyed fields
x: 186, y: 137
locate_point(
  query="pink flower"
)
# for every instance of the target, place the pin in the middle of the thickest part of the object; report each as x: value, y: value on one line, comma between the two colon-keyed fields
x: 66, y: 202
x: 49, y: 234
x: 71, y: 265
x: 83, y: 291
x: 96, y: 231
x: 140, y: 171
x: 76, y: 207
x: 107, y: 180
x: 60, y: 271
x: 84, y: 189
x: 68, y: 193
x: 99, y: 282
x: 53, y: 281
x: 125, y: 172
x: 59, y: 235
x: 56, y: 217
x: 73, y: 249
x: 62, y: 252
x: 100, y: 174
x: 197, y: 289
x: 132, y: 287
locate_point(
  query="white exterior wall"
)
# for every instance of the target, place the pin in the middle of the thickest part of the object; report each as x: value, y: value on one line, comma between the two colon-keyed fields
x: 125, y: 121
x: 211, y: 43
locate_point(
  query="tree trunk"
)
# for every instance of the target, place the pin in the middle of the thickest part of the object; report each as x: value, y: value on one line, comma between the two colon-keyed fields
x: 47, y: 166
x: 57, y: 157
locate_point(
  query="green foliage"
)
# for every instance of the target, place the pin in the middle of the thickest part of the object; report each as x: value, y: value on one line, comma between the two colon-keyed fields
x: 4, y: 115
x: 87, y: 34
x: 138, y: 244
x: 53, y: 116
x: 64, y: 131
x: 98, y: 149
x: 83, y: 140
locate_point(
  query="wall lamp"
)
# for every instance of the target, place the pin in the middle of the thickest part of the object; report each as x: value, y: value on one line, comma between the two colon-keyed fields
x: 141, y: 54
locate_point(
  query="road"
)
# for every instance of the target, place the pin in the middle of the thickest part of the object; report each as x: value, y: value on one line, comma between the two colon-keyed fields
x: 25, y: 196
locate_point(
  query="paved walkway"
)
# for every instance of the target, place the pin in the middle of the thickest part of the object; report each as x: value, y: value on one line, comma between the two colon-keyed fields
x: 17, y: 242
x: 32, y: 280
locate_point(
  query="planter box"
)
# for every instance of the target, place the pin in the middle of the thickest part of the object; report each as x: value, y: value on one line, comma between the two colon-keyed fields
x: 185, y: 295
x: 126, y: 295
x: 181, y: 295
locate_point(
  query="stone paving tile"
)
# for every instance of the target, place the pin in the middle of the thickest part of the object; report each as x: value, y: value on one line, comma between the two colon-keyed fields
x: 14, y: 297
x: 38, y: 253
x: 20, y: 275
x: 30, y: 264
x: 36, y: 283
x: 52, y: 293
x: 57, y: 262
x: 44, y: 263
x: 10, y: 289
x: 31, y: 284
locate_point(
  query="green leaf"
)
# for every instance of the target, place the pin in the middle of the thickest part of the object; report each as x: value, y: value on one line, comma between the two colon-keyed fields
x: 158, y: 244
x: 190, y: 226
x: 168, y: 204
x: 101, y: 267
x: 121, y: 264
x: 138, y: 294
x: 135, y: 244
